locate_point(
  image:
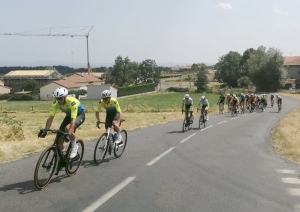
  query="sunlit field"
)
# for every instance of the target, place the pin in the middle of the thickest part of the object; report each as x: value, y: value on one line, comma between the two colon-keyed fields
x: 139, y: 111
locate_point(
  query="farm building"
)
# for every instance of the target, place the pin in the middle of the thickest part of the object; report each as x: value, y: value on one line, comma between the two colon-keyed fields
x: 293, y: 69
x: 94, y: 91
x: 70, y: 83
x: 17, y: 79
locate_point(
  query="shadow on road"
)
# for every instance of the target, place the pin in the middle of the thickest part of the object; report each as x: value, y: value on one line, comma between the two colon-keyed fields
x: 22, y: 187
x: 175, y: 132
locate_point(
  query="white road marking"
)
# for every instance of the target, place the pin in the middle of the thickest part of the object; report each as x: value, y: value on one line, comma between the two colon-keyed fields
x: 294, y: 191
x: 287, y: 171
x: 160, y: 156
x: 222, y: 122
x: 291, y: 180
x: 207, y: 127
x: 234, y: 118
x: 108, y: 195
x: 187, y: 138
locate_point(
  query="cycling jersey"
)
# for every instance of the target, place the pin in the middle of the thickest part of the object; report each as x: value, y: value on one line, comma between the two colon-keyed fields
x: 112, y: 107
x: 242, y: 97
x: 187, y: 103
x: 72, y: 107
x: 221, y: 99
x: 204, y: 103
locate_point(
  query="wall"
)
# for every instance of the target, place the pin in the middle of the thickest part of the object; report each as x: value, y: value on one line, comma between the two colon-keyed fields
x: 293, y: 73
x: 94, y: 91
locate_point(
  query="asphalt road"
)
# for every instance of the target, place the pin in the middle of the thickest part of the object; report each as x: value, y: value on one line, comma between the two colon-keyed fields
x: 229, y: 166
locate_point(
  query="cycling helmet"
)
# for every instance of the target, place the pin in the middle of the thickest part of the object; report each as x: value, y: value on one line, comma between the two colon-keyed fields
x: 233, y: 95
x: 228, y: 94
x: 60, y: 92
x: 202, y: 97
x: 242, y: 94
x: 105, y: 94
x: 277, y: 94
x: 186, y: 96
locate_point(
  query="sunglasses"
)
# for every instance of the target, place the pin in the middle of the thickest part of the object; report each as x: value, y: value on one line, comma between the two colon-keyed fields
x: 104, y: 99
x: 60, y: 98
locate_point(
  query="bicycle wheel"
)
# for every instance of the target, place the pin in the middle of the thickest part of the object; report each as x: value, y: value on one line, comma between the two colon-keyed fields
x: 204, y: 121
x: 119, y: 148
x: 200, y: 121
x: 45, y: 167
x: 101, y: 149
x: 184, y: 125
x: 72, y: 164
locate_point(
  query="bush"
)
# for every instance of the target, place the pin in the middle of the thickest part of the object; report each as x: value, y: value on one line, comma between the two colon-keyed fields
x: 177, y: 89
x: 130, y: 90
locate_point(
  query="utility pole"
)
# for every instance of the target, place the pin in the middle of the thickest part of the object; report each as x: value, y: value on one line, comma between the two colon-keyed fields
x: 65, y: 35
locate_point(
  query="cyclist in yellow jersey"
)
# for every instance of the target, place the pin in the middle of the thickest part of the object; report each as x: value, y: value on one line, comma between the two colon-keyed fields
x: 75, y: 116
x: 113, y: 113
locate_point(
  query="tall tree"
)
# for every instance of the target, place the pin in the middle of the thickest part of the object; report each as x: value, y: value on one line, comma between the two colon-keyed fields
x: 149, y: 73
x: 228, y: 69
x: 202, y: 80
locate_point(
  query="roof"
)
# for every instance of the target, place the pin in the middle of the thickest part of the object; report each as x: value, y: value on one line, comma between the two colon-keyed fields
x: 30, y: 73
x: 292, y: 61
x: 290, y: 81
x: 71, y: 82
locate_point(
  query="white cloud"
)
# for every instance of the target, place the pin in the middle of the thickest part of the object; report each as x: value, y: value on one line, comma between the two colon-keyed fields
x: 279, y: 11
x: 225, y: 6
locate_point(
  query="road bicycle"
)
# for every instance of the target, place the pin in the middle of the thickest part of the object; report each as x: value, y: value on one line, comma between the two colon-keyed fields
x: 203, y: 119
x: 242, y: 107
x: 187, y: 123
x: 279, y: 107
x: 272, y: 102
x: 234, y: 111
x: 221, y: 108
x: 106, y: 143
x: 53, y: 158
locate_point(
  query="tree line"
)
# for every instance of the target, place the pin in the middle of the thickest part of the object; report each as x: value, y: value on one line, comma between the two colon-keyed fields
x: 261, y: 67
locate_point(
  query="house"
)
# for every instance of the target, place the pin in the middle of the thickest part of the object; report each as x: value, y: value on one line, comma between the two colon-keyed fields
x: 16, y: 79
x: 71, y: 83
x: 94, y: 91
x: 98, y: 75
x: 4, y: 89
x: 293, y: 69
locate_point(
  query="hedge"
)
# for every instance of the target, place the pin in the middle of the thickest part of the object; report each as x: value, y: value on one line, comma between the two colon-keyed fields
x: 136, y: 89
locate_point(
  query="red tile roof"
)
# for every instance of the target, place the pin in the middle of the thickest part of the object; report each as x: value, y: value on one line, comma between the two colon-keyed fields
x: 292, y: 61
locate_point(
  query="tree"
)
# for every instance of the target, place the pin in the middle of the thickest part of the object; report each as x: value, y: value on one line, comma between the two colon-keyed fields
x: 149, y: 73
x: 202, y: 80
x: 228, y: 69
x: 266, y: 69
x: 31, y: 85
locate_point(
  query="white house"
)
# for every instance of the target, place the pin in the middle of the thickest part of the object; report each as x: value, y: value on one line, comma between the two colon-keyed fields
x: 94, y: 91
x: 70, y: 83
x: 4, y: 89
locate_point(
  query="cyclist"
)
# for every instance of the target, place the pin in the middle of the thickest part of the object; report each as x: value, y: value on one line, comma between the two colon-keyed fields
x: 242, y: 100
x: 229, y: 97
x: 264, y: 99
x: 279, y: 101
x: 205, y: 106
x: 221, y: 101
x: 113, y: 113
x: 75, y: 116
x: 252, y: 100
x: 187, y: 106
x: 277, y: 98
x: 272, y: 100
x: 235, y: 103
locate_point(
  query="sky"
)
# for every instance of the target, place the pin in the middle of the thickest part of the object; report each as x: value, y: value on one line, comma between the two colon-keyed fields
x: 171, y: 32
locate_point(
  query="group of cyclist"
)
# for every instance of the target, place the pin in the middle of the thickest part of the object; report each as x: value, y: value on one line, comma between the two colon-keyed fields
x: 231, y: 100
x: 75, y: 116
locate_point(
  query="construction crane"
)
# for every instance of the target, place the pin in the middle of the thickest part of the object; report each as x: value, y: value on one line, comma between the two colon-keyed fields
x: 65, y: 35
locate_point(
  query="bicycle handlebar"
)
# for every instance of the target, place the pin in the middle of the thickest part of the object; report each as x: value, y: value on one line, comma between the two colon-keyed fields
x: 66, y: 135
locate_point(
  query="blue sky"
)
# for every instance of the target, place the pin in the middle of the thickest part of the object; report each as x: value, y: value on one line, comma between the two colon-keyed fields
x: 177, y: 31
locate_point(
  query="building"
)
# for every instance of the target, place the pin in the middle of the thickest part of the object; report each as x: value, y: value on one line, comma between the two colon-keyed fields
x: 76, y: 82
x: 16, y: 79
x: 293, y: 69
x: 4, y: 89
x: 94, y: 91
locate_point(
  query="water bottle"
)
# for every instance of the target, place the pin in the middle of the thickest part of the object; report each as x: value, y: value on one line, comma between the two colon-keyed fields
x: 115, y: 137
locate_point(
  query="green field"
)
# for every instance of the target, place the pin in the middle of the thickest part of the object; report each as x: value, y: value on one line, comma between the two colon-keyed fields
x: 155, y: 102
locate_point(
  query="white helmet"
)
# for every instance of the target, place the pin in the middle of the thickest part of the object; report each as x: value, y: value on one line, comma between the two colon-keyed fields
x: 105, y: 94
x: 202, y: 97
x: 277, y: 94
x: 186, y: 96
x: 60, y: 92
x: 234, y: 95
x: 242, y: 94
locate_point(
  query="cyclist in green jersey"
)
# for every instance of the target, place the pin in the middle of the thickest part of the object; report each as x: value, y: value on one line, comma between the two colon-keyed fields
x: 75, y: 116
x: 113, y: 113
x: 187, y: 106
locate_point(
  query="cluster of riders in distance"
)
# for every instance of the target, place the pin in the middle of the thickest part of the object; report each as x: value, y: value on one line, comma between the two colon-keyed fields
x: 248, y: 102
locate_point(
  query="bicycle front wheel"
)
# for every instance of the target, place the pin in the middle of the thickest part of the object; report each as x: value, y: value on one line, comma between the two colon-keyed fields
x: 73, y: 164
x: 101, y: 149
x: 45, y: 167
x: 200, y: 122
x: 184, y: 125
x: 119, y: 148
